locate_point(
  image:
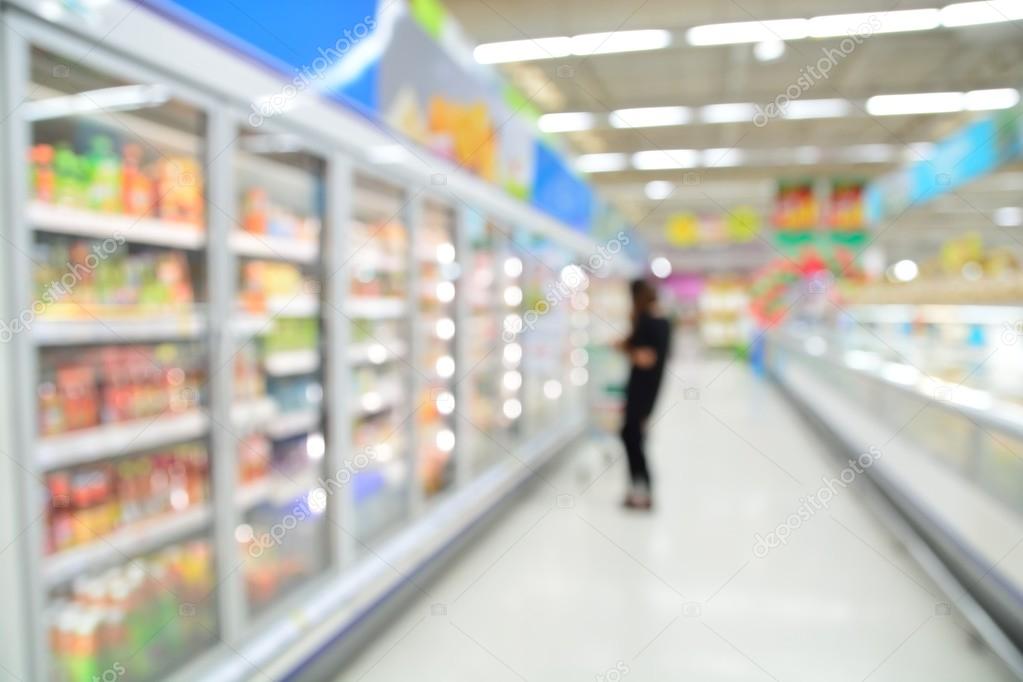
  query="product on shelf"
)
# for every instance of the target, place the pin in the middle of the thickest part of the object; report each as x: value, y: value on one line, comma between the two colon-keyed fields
x: 262, y: 281
x: 295, y: 394
x: 140, y: 619
x: 262, y: 216
x: 249, y: 378
x: 88, y: 387
x: 369, y: 243
x: 104, y: 181
x: 255, y: 454
x: 965, y: 272
x: 91, y: 501
x: 85, y: 278
x: 725, y: 320
x: 292, y: 333
x: 275, y: 562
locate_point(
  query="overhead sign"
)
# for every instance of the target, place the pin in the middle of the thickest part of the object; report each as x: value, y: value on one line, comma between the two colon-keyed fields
x: 404, y: 63
x: 974, y: 151
x: 795, y: 206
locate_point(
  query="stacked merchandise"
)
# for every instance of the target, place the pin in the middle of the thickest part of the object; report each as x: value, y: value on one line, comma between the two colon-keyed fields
x: 113, y: 176
x: 261, y: 215
x: 91, y: 387
x: 724, y: 313
x: 136, y: 621
x: 91, y: 501
x: 89, y: 278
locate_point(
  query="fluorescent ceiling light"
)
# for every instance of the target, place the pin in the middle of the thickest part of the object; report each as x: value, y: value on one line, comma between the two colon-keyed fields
x: 738, y: 112
x: 917, y: 103
x: 659, y: 190
x: 769, y: 50
x: 1009, y: 216
x: 722, y: 157
x: 816, y: 108
x: 974, y: 13
x: 123, y: 98
x: 984, y: 100
x: 523, y: 50
x: 748, y: 32
x: 565, y: 122
x: 807, y: 154
x: 650, y: 117
x: 869, y: 23
x: 664, y: 159
x: 620, y: 41
x: 601, y: 163
x: 866, y: 153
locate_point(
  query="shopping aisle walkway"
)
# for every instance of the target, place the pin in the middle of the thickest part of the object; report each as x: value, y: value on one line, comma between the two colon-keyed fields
x: 568, y: 586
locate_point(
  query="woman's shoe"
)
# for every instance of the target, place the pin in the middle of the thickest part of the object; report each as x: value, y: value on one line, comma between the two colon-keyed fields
x: 640, y: 502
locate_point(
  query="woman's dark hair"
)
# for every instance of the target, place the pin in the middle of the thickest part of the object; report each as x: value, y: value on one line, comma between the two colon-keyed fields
x: 644, y: 296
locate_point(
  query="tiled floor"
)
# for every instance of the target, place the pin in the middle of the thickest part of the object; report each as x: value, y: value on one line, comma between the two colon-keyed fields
x: 568, y: 586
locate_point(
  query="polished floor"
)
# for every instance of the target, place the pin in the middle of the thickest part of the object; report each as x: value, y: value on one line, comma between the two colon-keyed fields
x: 569, y: 586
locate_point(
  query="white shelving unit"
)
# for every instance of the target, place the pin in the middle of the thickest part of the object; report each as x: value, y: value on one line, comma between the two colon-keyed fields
x: 137, y: 230
x: 112, y: 440
x: 131, y: 541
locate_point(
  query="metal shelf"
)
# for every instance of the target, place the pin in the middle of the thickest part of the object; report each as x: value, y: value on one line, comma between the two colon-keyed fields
x: 292, y: 363
x: 127, y: 330
x: 289, y: 424
x: 275, y: 488
x: 248, y: 416
x: 373, y: 353
x: 274, y: 248
x: 114, y: 440
x: 133, y: 229
x: 302, y: 305
x: 121, y: 545
x: 375, y: 308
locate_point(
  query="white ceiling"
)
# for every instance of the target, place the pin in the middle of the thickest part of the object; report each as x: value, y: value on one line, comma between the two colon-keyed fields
x: 962, y: 59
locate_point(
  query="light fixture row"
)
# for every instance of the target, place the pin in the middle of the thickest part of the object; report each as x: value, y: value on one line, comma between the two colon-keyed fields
x: 748, y: 112
x: 691, y: 159
x: 862, y: 24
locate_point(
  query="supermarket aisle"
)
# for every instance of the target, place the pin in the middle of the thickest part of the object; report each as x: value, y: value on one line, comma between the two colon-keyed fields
x: 568, y: 586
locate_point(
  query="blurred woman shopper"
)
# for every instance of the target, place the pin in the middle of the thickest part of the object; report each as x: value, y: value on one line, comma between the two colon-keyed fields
x: 647, y: 350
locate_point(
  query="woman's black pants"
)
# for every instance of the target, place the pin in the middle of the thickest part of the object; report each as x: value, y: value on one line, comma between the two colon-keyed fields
x: 633, y: 436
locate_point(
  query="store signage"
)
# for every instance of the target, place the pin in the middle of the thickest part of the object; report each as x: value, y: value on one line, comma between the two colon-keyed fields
x: 795, y: 206
x: 404, y: 63
x: 740, y: 225
x: 846, y: 205
x: 976, y: 150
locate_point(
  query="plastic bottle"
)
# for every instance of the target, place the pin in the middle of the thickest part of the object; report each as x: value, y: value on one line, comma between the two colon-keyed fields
x: 137, y: 188
x: 104, y: 174
x: 44, y: 178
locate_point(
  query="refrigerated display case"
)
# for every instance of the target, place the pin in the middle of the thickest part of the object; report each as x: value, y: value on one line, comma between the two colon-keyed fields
x: 438, y: 282
x: 229, y: 413
x: 554, y: 338
x: 930, y: 396
x: 379, y: 258
x: 278, y: 411
x: 119, y: 358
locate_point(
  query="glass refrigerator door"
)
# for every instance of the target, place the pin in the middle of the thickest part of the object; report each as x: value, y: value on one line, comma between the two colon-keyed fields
x: 552, y: 347
x: 438, y: 275
x: 493, y: 378
x: 118, y: 213
x: 483, y: 347
x: 278, y: 409
x: 378, y: 258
